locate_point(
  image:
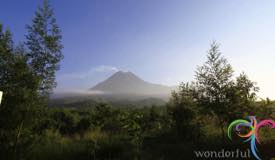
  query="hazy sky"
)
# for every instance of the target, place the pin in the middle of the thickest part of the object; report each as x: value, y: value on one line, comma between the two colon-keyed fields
x: 162, y: 41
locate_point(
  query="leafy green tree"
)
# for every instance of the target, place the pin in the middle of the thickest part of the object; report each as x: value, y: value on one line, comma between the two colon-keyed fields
x: 102, y: 114
x: 115, y: 122
x: 65, y: 121
x: 218, y: 94
x: 152, y: 122
x: 265, y: 108
x: 214, y: 79
x: 19, y: 108
x: 243, y: 96
x: 244, y: 99
x: 25, y: 75
x: 134, y: 129
x: 83, y: 125
x: 183, y: 110
x: 45, y: 48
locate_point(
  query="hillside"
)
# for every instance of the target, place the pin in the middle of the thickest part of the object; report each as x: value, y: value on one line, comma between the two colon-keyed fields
x: 129, y: 83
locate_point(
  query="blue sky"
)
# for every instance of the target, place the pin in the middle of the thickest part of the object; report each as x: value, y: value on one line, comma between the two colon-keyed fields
x: 161, y: 41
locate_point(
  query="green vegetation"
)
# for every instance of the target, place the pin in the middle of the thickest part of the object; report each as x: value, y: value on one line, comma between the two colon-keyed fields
x: 195, y: 117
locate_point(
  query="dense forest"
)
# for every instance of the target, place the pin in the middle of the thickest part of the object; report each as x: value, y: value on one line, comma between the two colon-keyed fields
x: 195, y: 118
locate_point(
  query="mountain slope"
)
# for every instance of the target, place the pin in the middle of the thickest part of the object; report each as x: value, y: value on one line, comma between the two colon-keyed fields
x: 129, y: 83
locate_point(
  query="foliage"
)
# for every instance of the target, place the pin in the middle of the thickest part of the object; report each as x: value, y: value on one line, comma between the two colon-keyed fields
x: 214, y: 79
x: 44, y: 43
x: 26, y: 77
x: 218, y: 94
x: 183, y: 111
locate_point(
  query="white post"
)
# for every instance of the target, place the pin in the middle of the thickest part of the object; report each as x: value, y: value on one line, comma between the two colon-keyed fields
x: 1, y: 93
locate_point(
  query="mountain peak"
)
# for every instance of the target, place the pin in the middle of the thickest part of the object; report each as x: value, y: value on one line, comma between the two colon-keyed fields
x: 124, y: 73
x: 128, y: 75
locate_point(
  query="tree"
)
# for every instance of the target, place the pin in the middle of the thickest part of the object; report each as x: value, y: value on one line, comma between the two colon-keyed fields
x: 152, y: 121
x: 214, y: 78
x: 18, y: 110
x: 102, y: 114
x: 134, y: 129
x: 218, y: 94
x: 26, y: 76
x: 183, y: 109
x: 243, y: 96
x: 45, y: 48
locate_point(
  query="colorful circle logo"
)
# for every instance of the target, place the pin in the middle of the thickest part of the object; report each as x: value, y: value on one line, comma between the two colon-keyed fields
x: 253, y: 134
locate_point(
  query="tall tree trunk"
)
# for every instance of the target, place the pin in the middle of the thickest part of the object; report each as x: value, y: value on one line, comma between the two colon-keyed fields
x: 222, y: 130
x: 17, y: 138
